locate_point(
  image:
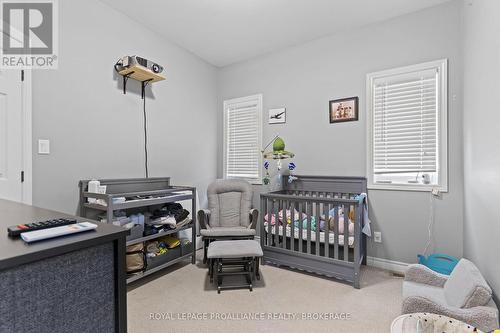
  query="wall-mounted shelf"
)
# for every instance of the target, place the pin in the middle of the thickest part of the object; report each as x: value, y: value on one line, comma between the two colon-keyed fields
x: 141, y: 74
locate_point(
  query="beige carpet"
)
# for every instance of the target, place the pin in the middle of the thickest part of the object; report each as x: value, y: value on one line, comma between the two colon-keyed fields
x: 180, y: 296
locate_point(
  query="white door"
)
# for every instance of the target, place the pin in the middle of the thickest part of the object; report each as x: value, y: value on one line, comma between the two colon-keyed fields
x: 11, y: 135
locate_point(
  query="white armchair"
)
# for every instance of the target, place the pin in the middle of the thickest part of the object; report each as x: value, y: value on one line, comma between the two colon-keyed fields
x: 464, y: 295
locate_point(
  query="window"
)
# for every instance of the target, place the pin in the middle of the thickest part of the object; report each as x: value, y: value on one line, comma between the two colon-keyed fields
x: 242, y: 138
x: 407, y: 126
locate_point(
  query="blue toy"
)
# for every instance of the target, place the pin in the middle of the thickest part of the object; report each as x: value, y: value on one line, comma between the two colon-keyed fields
x: 438, y: 262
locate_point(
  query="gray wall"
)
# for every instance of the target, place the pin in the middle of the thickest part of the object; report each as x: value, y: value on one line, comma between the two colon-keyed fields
x: 96, y: 131
x: 304, y: 78
x: 481, y: 137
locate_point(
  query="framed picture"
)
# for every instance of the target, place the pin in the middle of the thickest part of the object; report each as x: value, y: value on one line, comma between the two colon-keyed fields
x: 345, y: 109
x: 277, y: 116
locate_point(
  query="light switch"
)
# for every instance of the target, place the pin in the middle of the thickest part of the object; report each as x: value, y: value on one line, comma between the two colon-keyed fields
x: 43, y: 147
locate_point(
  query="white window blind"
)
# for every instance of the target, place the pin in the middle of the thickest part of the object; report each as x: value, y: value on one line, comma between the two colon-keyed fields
x: 242, y: 134
x: 405, y: 123
x: 407, y: 126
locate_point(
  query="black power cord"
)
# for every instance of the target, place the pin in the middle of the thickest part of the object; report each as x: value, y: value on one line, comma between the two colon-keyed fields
x: 145, y: 136
x: 117, y: 65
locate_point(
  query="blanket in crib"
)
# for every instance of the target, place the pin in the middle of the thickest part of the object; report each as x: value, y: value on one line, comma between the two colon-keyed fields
x: 286, y: 216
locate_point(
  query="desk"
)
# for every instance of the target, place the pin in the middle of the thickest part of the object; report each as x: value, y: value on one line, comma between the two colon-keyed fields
x: 74, y: 283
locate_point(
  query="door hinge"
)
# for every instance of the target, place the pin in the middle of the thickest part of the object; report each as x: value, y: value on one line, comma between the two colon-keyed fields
x: 22, y: 176
x: 22, y: 75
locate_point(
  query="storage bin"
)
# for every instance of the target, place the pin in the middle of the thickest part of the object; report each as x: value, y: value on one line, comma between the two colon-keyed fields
x: 135, y: 232
x: 170, y: 255
x: 135, y: 258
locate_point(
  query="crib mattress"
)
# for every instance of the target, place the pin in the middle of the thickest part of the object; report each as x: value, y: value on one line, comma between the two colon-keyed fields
x: 296, y: 232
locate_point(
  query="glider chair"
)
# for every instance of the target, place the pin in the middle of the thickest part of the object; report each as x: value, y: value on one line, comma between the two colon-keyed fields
x: 464, y: 295
x: 229, y: 215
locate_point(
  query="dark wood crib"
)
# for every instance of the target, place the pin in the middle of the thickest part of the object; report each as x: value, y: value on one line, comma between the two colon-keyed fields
x: 299, y: 241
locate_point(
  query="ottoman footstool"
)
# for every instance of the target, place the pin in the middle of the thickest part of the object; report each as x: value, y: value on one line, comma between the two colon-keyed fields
x: 234, y: 257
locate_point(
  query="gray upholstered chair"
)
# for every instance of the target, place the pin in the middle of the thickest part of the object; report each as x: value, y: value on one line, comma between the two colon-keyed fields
x: 229, y: 214
x: 464, y: 295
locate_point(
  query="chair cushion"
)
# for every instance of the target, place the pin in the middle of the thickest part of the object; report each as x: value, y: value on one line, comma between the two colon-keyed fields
x: 229, y: 202
x: 431, y: 293
x: 466, y: 287
x: 227, y: 232
x: 234, y: 249
x: 229, y: 209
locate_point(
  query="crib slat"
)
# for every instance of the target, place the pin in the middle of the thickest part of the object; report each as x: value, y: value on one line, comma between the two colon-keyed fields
x: 356, y: 235
x: 309, y: 213
x: 346, y: 232
x: 277, y: 223
x: 318, y: 223
x: 326, y: 213
x: 336, y: 231
x: 263, y: 204
x: 292, y: 226
x: 301, y: 208
x: 270, y: 207
x: 284, y: 209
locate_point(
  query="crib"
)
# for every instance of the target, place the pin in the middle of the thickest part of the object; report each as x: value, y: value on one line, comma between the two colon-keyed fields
x: 290, y: 226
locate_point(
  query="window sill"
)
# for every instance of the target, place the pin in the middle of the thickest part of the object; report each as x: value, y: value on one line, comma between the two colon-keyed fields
x: 408, y: 187
x: 252, y: 181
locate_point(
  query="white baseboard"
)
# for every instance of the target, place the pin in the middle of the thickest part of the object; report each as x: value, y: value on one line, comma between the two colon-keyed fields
x: 389, y: 265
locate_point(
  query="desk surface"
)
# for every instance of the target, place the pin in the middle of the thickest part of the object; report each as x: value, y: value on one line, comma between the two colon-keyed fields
x: 14, y: 251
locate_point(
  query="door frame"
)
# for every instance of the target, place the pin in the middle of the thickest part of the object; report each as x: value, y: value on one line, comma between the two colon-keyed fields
x: 27, y: 135
x: 27, y: 132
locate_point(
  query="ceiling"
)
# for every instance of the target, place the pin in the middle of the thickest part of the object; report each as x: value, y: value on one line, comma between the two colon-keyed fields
x: 224, y: 32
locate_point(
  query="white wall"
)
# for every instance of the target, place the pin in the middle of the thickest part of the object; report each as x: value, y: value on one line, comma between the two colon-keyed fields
x: 482, y: 137
x: 304, y: 78
x: 96, y: 131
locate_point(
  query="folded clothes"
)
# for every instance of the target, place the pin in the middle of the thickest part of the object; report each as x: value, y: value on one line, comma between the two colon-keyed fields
x: 150, y: 230
x: 171, y: 209
x: 183, y: 222
x: 181, y: 215
x: 166, y: 210
x: 164, y: 220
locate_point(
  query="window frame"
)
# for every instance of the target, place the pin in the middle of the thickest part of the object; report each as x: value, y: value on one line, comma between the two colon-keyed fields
x: 442, y: 137
x: 252, y: 98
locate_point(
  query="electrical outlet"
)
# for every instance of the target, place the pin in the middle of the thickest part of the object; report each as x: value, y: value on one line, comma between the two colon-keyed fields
x: 377, y: 237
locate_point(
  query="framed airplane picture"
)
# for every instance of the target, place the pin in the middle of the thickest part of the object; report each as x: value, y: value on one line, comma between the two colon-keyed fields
x: 277, y: 116
x: 345, y: 109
